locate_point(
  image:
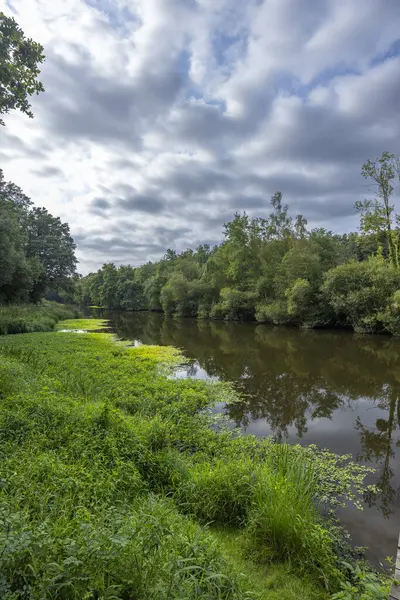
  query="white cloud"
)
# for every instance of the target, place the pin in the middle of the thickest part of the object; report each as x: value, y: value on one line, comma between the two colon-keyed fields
x: 162, y: 117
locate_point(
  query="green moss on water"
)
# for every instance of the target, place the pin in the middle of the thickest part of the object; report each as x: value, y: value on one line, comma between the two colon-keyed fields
x: 111, y: 475
x: 82, y: 325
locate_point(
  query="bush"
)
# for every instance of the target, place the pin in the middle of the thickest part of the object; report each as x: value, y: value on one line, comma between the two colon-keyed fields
x: 234, y: 305
x: 360, y: 293
x: 363, y: 584
x: 275, y: 312
x: 390, y: 317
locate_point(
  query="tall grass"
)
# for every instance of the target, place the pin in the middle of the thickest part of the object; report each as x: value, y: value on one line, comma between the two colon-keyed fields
x: 276, y: 501
x: 109, y: 472
x: 284, y: 518
x: 27, y: 318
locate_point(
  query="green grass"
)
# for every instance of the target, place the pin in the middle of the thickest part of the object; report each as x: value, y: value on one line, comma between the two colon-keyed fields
x: 28, y: 318
x: 111, y: 476
x: 269, y: 581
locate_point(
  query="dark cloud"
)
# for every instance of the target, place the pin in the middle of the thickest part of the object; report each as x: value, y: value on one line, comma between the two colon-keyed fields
x: 107, y: 243
x: 194, y: 180
x: 139, y: 203
x: 123, y: 163
x: 243, y: 202
x: 330, y: 206
x: 49, y: 171
x: 101, y: 203
x: 18, y: 147
x: 99, y: 206
x: 168, y: 236
x: 104, y: 108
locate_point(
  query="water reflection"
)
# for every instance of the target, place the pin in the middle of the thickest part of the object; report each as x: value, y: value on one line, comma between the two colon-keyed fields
x: 334, y: 389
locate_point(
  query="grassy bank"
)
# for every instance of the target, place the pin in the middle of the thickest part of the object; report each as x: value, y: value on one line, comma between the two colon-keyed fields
x: 27, y: 318
x: 114, y: 485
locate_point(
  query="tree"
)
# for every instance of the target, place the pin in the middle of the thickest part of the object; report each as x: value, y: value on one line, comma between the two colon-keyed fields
x: 14, y: 196
x: 376, y: 216
x: 36, y: 249
x: 243, y: 244
x: 50, y: 242
x: 19, y: 59
x: 129, y: 294
x: 279, y: 224
x: 109, y: 287
x: 16, y: 274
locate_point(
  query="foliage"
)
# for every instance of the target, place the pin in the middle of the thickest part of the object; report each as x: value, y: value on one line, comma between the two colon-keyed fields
x: 377, y: 216
x: 37, y: 251
x: 27, y: 318
x: 363, y: 584
x: 19, y: 60
x: 92, y: 438
x: 50, y: 243
x: 360, y: 294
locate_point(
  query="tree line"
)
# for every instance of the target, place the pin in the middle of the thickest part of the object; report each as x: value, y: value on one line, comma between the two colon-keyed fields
x: 275, y: 270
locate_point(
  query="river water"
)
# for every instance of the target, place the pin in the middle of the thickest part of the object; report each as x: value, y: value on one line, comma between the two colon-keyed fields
x: 335, y: 389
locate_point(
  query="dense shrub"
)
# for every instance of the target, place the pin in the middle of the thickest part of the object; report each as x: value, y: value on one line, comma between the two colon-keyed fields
x: 360, y: 293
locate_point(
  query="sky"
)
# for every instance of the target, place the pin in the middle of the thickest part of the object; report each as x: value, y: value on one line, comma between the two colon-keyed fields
x: 162, y: 118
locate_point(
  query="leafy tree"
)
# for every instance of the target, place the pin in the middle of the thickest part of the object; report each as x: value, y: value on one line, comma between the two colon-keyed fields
x: 235, y: 305
x: 16, y: 272
x: 152, y: 292
x: 19, y: 60
x: 50, y: 242
x: 301, y: 300
x: 36, y: 249
x: 243, y: 243
x: 108, y: 294
x: 377, y: 216
x: 15, y: 197
x: 279, y: 224
x: 174, y: 294
x: 130, y: 294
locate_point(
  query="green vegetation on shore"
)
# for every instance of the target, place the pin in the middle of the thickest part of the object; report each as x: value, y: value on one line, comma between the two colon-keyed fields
x: 27, y: 318
x: 111, y: 477
x: 274, y: 270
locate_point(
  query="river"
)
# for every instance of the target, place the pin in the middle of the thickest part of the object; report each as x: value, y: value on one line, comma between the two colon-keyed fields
x: 335, y: 389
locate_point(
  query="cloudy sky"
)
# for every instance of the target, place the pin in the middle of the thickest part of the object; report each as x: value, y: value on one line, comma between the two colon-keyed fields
x: 161, y: 118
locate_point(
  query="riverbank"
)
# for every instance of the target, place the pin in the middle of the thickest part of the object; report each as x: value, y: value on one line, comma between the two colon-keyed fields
x: 112, y: 473
x: 27, y: 318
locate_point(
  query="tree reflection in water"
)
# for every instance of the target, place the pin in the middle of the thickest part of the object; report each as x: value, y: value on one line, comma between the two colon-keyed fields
x: 296, y: 384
